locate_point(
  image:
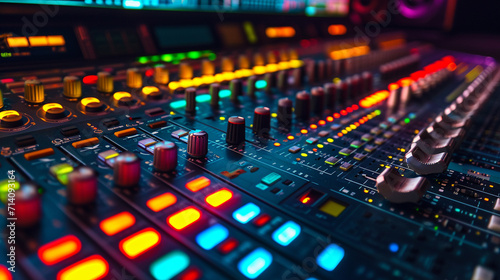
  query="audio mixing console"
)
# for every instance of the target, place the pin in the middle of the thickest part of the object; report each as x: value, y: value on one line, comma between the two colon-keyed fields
x: 279, y: 162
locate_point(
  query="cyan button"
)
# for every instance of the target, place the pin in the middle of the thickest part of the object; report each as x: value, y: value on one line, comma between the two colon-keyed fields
x: 212, y: 236
x: 286, y: 233
x: 169, y: 265
x: 246, y: 213
x: 330, y: 257
x: 255, y: 263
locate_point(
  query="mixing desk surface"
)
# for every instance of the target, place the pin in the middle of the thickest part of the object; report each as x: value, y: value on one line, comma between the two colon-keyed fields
x: 244, y: 150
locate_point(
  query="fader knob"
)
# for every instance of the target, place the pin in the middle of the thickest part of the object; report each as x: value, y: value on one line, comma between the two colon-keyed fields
x: 28, y: 205
x: 282, y: 82
x: 261, y: 121
x: 214, y: 95
x: 127, y: 170
x: 302, y: 105
x: 72, y: 87
x: 190, y: 96
x: 236, y: 88
x: 251, y: 86
x: 235, y: 130
x: 197, y: 143
x: 161, y: 75
x: 330, y: 95
x: 243, y: 62
x: 82, y: 185
x: 318, y: 100
x: 165, y: 156
x: 285, y: 108
x: 105, y: 82
x: 134, y: 78
x: 34, y: 92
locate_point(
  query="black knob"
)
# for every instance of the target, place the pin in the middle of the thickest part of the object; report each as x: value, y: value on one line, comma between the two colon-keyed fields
x: 285, y: 108
x: 82, y: 185
x: 311, y: 71
x: 261, y: 121
x: 367, y: 82
x: 346, y: 85
x: 302, y: 105
x: 28, y: 205
x: 318, y: 100
x: 298, y: 76
x: 127, y: 170
x: 236, y: 88
x: 190, y: 96
x: 165, y: 156
x: 282, y: 80
x: 214, y: 95
x: 197, y: 143
x: 320, y: 70
x: 251, y: 86
x: 355, y: 87
x: 330, y: 96
x: 270, y: 79
x: 235, y: 130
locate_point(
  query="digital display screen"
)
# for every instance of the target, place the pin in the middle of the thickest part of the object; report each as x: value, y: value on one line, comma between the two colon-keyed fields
x: 116, y: 42
x: 308, y: 7
x: 171, y: 37
x: 45, y: 44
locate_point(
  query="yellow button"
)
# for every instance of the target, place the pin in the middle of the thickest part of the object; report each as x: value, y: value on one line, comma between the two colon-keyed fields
x: 93, y: 267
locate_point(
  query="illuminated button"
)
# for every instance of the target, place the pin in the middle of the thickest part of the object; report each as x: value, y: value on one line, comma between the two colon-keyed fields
x: 92, y: 105
x: 330, y: 257
x: 139, y: 242
x: 90, y: 79
x: 123, y: 98
x: 185, y: 71
x: 262, y: 220
x: 5, y: 185
x: 218, y: 198
x: 108, y: 156
x: 39, y: 154
x: 61, y: 171
x: 170, y: 265
x: 184, y: 218
x: 255, y: 263
x: 228, y: 245
x: 151, y: 92
x: 332, y: 160
x: 60, y: 249
x: 92, y: 268
x: 85, y: 143
x: 10, y: 119
x: 212, y: 236
x: 161, y: 202
x: 147, y: 144
x: 198, y: 184
x: 5, y: 273
x: 126, y: 132
x: 271, y: 178
x: 54, y: 111
x: 207, y: 68
x: 286, y: 233
x: 117, y: 223
x: 246, y: 213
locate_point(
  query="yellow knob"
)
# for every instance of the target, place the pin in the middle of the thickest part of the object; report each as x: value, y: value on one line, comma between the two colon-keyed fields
x: 207, y: 68
x: 293, y: 54
x: 227, y: 64
x: 72, y: 87
x: 161, y: 75
x: 1, y: 99
x: 105, y: 82
x: 34, y: 91
x: 243, y: 62
x: 185, y: 71
x: 284, y: 56
x: 134, y: 78
x: 271, y: 58
x: 258, y: 60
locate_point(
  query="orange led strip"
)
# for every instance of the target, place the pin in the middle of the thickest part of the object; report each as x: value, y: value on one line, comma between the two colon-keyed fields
x: 17, y: 42
x: 92, y: 268
x: 184, y: 218
x: 60, y: 249
x: 161, y: 202
x: 117, y: 223
x: 218, y: 198
x: 280, y: 32
x: 198, y: 184
x: 139, y: 242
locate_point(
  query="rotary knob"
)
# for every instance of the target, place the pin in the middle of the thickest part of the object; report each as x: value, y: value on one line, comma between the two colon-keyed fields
x: 214, y: 95
x: 285, y: 107
x: 134, y: 78
x: 317, y: 100
x: 282, y: 82
x: 185, y: 71
x: 126, y: 170
x: 54, y: 111
x: 72, y: 87
x: 236, y: 88
x: 123, y: 98
x: 28, y: 205
x: 261, y: 121
x: 302, y: 105
x: 82, y: 185
x: 34, y: 92
x: 10, y: 119
x: 105, y: 83
x: 92, y: 105
x: 235, y: 130
x: 165, y: 156
x: 190, y: 96
x: 197, y: 143
x: 251, y: 86
x: 161, y: 75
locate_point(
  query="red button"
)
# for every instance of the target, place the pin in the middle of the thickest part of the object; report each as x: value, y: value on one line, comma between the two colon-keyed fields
x: 262, y: 220
x: 228, y: 245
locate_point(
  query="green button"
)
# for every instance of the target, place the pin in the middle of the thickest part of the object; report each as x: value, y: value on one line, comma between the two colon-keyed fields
x: 61, y: 172
x: 169, y: 265
x: 4, y: 189
x: 271, y: 178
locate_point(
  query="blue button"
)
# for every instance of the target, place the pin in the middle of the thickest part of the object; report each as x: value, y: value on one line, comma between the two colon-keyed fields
x: 245, y: 213
x: 212, y: 236
x: 286, y: 233
x: 330, y: 257
x: 255, y: 263
x: 169, y: 265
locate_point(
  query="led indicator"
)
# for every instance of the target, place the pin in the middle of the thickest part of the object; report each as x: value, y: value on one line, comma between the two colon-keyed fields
x: 184, y: 218
x: 330, y: 257
x: 218, y: 198
x: 212, y: 236
x: 117, y: 223
x: 60, y: 249
x: 139, y: 242
x: 255, y: 263
x: 161, y: 202
x: 169, y: 265
x: 92, y: 268
x: 198, y: 184
x: 246, y: 213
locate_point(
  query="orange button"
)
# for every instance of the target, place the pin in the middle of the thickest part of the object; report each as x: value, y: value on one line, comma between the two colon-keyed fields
x: 139, y: 242
x: 218, y: 198
x: 39, y: 154
x: 91, y: 268
x: 126, y: 132
x: 85, y: 143
x: 161, y: 202
x: 117, y: 223
x: 60, y: 249
x: 198, y: 184
x: 184, y: 218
